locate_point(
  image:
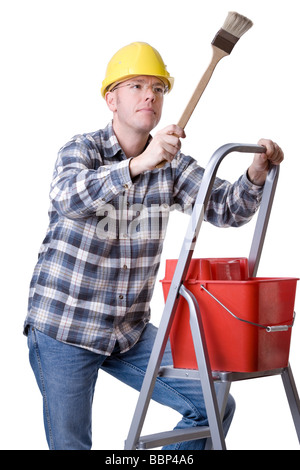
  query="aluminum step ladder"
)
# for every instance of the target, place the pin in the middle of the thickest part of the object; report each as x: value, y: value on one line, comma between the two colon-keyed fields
x: 215, y: 403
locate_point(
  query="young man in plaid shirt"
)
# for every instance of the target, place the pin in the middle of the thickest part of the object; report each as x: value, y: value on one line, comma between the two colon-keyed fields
x: 89, y: 305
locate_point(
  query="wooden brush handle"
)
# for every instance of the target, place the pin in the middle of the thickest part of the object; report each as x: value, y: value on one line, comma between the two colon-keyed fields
x: 218, y: 54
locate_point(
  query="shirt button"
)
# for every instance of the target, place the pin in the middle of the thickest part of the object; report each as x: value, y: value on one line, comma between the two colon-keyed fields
x: 121, y: 297
x: 125, y: 186
x: 125, y: 266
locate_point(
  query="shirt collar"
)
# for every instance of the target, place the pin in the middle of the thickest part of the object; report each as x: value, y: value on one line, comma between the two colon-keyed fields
x: 110, y: 143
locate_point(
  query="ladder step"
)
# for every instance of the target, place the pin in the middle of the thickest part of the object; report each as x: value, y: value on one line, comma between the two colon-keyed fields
x: 170, y: 437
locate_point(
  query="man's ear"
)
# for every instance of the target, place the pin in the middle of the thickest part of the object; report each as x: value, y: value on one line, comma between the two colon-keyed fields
x: 110, y: 99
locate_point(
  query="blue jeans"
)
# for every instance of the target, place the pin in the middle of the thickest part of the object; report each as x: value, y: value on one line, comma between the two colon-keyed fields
x: 66, y: 376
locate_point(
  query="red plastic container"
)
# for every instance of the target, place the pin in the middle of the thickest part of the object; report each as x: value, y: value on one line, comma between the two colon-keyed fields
x: 233, y: 345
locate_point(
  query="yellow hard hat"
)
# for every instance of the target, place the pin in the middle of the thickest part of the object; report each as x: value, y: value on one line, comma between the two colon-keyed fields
x: 138, y: 58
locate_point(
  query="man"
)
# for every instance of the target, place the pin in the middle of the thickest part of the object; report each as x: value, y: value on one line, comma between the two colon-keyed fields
x: 93, y: 282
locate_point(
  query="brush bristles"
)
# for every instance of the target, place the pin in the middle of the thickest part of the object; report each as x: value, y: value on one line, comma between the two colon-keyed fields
x: 234, y: 27
x: 237, y: 24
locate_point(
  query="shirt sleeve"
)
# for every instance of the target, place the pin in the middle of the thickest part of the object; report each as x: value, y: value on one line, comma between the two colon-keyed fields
x: 230, y: 205
x: 77, y: 189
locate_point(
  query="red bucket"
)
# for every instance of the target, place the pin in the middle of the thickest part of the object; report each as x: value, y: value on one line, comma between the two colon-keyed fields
x: 233, y: 345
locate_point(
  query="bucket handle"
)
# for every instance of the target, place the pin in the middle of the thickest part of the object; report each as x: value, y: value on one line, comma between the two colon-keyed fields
x: 269, y: 329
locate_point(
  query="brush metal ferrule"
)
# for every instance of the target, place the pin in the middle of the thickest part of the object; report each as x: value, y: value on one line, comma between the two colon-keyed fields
x: 224, y: 40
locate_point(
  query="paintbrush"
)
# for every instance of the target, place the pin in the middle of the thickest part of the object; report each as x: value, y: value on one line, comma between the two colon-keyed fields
x: 224, y: 41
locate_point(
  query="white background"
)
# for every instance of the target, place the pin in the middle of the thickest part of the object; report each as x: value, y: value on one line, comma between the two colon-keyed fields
x: 53, y: 59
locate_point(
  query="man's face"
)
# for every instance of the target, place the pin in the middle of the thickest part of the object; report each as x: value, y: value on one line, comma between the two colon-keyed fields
x: 138, y: 102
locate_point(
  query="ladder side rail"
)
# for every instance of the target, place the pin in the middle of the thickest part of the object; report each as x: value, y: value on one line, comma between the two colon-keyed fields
x: 186, y: 253
x: 263, y: 219
x: 292, y: 397
x: 206, y: 379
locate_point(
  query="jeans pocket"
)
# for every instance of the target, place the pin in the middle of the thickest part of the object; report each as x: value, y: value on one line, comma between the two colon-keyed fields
x: 29, y: 336
x: 36, y: 365
x: 32, y: 343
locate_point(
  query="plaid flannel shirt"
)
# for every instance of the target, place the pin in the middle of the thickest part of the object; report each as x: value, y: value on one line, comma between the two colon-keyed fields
x: 97, y: 265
